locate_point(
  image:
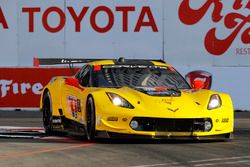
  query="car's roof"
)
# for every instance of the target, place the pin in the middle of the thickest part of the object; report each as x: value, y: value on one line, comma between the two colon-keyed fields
x: 128, y: 62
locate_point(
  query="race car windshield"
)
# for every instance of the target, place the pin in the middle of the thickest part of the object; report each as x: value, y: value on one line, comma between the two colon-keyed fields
x: 138, y: 76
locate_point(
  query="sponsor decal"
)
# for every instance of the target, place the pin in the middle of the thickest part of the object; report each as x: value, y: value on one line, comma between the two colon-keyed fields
x: 56, y: 120
x: 242, y: 51
x: 22, y: 87
x: 57, y: 126
x: 167, y: 101
x: 234, y: 21
x: 145, y: 19
x: 74, y: 106
x: 112, y: 119
x: 225, y: 120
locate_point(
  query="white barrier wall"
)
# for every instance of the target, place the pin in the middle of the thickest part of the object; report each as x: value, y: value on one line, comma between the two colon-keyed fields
x: 220, y: 46
x: 48, y: 29
x: 189, y: 34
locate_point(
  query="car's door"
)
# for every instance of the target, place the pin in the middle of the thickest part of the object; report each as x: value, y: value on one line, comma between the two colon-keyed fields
x: 75, y: 94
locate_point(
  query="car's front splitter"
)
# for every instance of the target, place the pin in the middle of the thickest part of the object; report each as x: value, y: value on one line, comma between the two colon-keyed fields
x: 113, y: 135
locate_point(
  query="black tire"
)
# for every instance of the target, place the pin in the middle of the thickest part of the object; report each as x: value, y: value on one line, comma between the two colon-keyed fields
x: 90, y: 119
x: 47, y: 114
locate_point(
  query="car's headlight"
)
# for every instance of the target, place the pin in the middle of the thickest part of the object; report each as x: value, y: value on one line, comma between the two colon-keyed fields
x: 214, y: 102
x: 119, y: 101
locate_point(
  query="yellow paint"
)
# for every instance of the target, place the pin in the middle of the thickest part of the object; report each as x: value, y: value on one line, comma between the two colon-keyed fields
x: 185, y: 106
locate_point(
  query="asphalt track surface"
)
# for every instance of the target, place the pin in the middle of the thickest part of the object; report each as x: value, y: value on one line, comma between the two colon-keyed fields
x: 35, y: 149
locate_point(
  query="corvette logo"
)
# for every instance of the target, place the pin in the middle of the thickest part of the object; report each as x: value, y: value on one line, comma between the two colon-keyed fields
x: 173, y: 110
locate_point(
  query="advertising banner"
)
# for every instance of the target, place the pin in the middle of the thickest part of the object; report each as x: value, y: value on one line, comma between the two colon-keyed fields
x: 184, y: 32
x: 79, y: 29
x: 207, y: 33
x: 22, y: 87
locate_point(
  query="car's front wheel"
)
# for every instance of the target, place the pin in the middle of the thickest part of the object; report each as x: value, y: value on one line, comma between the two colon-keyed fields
x: 90, y: 119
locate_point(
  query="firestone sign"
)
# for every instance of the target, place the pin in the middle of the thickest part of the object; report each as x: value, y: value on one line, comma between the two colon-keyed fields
x: 12, y: 87
x: 22, y: 87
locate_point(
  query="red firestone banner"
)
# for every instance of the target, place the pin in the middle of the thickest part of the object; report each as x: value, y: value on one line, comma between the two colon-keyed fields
x: 22, y: 87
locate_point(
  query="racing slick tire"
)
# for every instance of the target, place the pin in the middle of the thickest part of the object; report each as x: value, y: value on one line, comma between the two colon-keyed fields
x: 90, y: 118
x: 47, y: 114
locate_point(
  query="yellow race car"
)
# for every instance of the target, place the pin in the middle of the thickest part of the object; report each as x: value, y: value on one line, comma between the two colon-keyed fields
x: 129, y: 98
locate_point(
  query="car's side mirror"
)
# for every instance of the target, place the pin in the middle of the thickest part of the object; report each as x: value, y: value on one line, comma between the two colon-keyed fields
x: 199, y: 79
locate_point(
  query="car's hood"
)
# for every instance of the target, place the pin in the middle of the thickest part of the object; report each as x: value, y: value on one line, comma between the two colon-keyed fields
x: 188, y: 103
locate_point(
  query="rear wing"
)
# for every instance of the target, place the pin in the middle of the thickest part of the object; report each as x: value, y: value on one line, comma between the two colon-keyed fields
x: 57, y: 61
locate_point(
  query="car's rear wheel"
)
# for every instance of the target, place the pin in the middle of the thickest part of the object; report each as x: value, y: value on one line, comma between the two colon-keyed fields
x: 47, y: 114
x: 90, y: 119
